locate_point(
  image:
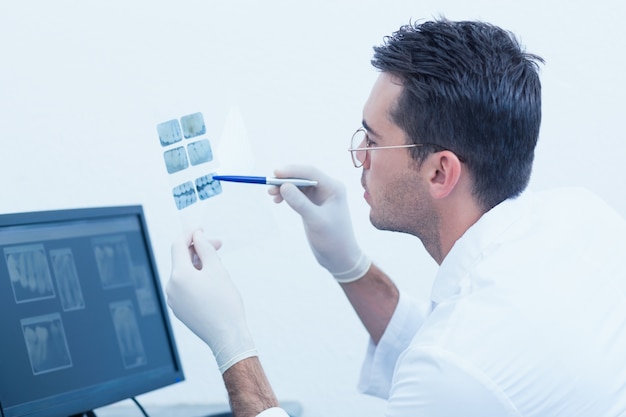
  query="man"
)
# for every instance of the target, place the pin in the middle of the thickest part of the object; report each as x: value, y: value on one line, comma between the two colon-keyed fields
x: 528, y: 308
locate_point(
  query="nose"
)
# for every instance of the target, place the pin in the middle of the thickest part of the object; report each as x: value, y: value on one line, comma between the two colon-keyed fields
x: 366, y: 160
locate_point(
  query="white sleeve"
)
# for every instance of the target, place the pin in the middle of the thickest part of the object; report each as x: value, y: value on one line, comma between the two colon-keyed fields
x: 433, y: 383
x: 273, y: 412
x: 380, y: 360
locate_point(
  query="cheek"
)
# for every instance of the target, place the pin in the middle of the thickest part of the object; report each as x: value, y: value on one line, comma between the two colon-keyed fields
x: 377, y: 180
x: 384, y: 172
x: 379, y: 170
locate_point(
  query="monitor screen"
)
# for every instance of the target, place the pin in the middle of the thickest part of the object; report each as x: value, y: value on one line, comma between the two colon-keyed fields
x: 83, y: 320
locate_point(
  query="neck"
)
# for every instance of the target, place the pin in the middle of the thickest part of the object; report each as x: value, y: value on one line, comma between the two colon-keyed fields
x: 456, y: 217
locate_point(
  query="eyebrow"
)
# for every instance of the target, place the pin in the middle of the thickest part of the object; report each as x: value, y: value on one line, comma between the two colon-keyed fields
x: 369, y: 129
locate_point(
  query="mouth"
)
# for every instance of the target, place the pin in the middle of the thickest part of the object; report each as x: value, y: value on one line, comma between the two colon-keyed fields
x: 366, y: 193
x: 364, y: 185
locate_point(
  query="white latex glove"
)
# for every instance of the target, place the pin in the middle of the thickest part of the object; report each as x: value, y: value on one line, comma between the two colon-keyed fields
x: 326, y: 218
x: 203, y: 297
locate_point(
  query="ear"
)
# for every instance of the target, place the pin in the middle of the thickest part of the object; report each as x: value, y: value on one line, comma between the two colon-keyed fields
x: 444, y: 173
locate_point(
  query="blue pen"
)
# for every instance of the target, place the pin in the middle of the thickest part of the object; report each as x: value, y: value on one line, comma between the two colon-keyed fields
x: 298, y: 182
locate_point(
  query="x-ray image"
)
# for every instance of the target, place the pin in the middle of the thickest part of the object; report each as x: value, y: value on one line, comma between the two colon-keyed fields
x: 184, y: 195
x: 64, y: 268
x: 175, y: 159
x: 193, y: 125
x: 199, y: 152
x: 113, y: 260
x: 208, y: 187
x: 29, y: 272
x: 169, y: 132
x: 128, y: 336
x: 46, y: 343
x: 143, y: 288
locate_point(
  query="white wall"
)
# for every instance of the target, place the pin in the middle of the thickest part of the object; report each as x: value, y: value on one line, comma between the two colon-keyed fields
x: 83, y: 85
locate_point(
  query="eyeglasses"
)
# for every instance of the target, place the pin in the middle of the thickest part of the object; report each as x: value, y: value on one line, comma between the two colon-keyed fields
x: 359, y: 152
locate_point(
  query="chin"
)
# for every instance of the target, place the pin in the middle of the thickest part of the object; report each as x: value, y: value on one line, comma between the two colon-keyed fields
x: 389, y: 224
x: 373, y: 220
x: 382, y: 224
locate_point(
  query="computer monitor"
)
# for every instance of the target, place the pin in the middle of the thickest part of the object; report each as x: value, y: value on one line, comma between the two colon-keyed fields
x: 83, y: 322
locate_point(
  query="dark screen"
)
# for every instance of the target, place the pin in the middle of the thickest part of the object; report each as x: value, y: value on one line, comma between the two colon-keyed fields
x: 83, y: 321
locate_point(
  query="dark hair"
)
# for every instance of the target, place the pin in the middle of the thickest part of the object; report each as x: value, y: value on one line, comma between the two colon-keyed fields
x: 470, y: 88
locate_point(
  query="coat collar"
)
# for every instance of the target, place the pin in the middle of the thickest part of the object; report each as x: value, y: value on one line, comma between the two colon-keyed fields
x: 454, y: 276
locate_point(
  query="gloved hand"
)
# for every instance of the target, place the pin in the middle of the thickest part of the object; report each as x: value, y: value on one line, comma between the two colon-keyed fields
x: 326, y: 218
x: 203, y: 297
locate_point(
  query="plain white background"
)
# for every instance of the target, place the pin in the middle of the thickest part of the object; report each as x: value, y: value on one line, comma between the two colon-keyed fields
x: 83, y: 85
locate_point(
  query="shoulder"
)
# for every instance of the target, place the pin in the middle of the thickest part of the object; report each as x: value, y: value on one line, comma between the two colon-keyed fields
x: 435, y: 382
x: 574, y: 202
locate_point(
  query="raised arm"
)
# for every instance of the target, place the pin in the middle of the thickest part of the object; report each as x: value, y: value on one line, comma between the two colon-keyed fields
x: 326, y: 217
x: 374, y: 298
x: 249, y: 391
x: 202, y: 295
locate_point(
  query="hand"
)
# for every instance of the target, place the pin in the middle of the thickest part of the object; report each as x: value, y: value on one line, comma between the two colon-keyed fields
x: 202, y: 295
x: 326, y: 218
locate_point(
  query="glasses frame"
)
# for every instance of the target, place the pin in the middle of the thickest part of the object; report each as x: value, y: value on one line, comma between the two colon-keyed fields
x: 358, y: 164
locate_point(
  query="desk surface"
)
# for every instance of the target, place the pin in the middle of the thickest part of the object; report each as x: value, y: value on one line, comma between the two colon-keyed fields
x: 181, y: 410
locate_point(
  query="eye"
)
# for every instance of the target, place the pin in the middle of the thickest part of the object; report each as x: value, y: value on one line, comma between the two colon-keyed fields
x: 369, y: 143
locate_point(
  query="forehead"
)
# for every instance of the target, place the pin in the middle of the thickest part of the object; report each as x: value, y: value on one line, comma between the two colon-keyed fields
x: 382, y: 99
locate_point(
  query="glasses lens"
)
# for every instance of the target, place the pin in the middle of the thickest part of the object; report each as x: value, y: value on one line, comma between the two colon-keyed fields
x: 358, y: 141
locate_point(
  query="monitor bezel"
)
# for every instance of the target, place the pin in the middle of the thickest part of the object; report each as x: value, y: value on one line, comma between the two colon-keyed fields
x: 86, y: 399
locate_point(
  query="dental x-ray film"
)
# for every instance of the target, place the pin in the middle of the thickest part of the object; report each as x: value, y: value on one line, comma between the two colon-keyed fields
x: 192, y: 151
x: 185, y: 151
